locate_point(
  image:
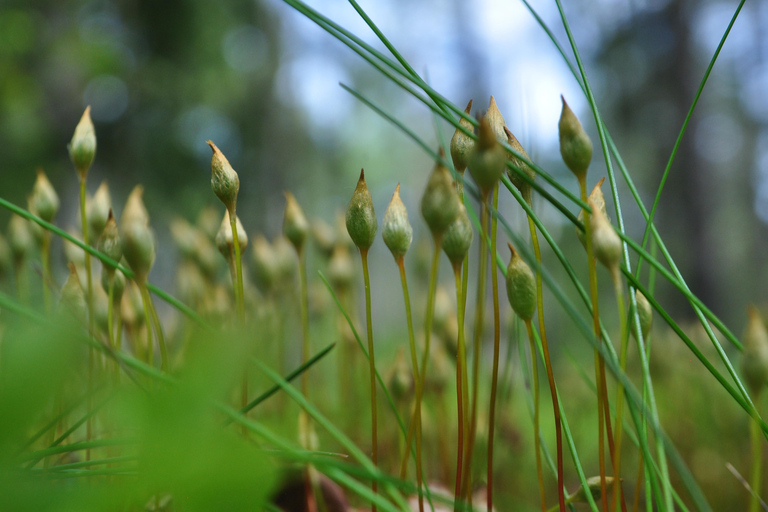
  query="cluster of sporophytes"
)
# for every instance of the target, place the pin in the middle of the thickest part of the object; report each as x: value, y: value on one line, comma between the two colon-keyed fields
x: 133, y: 411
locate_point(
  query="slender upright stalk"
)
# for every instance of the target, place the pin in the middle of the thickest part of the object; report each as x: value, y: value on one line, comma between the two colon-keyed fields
x: 240, y: 300
x: 496, y: 348
x: 372, y: 368
x: 536, y: 415
x: 478, y: 334
x: 415, y: 423
x: 158, y: 329
x: 89, y: 302
x: 757, y: 461
x: 617, y: 438
x: 46, y: 258
x: 416, y: 380
x: 462, y: 386
x: 599, y: 367
x: 304, y: 422
x: 147, y: 323
x: 547, y: 362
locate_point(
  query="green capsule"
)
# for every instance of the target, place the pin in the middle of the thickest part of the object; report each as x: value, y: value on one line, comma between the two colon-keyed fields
x: 645, y: 313
x: 341, y: 270
x: 575, y: 144
x: 138, y: 248
x: 596, y: 196
x: 521, y: 286
x: 606, y: 243
x: 98, y: 208
x: 440, y: 202
x: 44, y: 201
x: 458, y: 237
x: 72, y: 295
x: 361, y: 217
x: 224, y: 180
x: 119, y: 283
x: 134, y: 211
x: 462, y: 144
x: 514, y: 177
x: 82, y: 148
x: 487, y: 161
x: 295, y: 224
x: 225, y: 240
x: 20, y: 238
x: 754, y: 360
x: 395, y: 229
x: 266, y: 269
x: 324, y: 238
x: 109, y: 243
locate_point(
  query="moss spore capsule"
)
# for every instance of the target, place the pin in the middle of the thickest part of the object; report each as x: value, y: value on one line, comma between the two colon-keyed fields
x: 514, y: 177
x: 266, y: 270
x: 295, y: 224
x: 341, y: 270
x: 606, y: 243
x: 224, y: 180
x: 119, y: 283
x: 461, y: 143
x: 82, y: 147
x: 361, y: 217
x: 98, y: 208
x: 645, y: 313
x: 521, y: 286
x: 440, y: 202
x: 134, y: 210
x: 138, y: 248
x: 225, y: 240
x: 44, y: 201
x: 754, y: 360
x: 20, y: 238
x: 396, y: 230
x: 109, y: 243
x: 496, y: 120
x: 487, y: 161
x: 458, y: 237
x: 575, y: 144
x: 596, y: 196
x: 72, y: 295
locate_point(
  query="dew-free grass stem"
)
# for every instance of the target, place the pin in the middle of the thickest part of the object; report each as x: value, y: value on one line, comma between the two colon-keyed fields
x: 757, y: 462
x: 624, y: 337
x: 45, y: 256
x: 427, y: 346
x: 416, y: 380
x: 599, y: 365
x: 372, y: 368
x: 466, y: 488
x: 462, y: 386
x: 496, y: 348
x: 89, y: 302
x: 536, y: 416
x: 547, y: 361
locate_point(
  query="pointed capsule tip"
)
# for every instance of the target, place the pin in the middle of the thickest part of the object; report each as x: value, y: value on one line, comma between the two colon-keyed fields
x: 362, y: 175
x: 397, y: 189
x: 600, y: 183
x: 511, y: 249
x: 111, y: 216
x: 212, y: 145
x: 469, y: 107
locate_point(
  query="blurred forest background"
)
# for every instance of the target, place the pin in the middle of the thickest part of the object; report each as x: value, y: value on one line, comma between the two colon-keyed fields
x: 262, y: 82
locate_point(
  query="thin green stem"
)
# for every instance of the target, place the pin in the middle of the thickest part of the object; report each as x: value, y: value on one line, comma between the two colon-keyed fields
x: 624, y: 337
x: 599, y: 369
x: 150, y: 354
x: 496, y: 349
x: 111, y: 325
x: 477, y: 338
x: 416, y: 380
x: 462, y: 386
x: 164, y: 361
x: 372, y: 367
x: 45, y: 256
x: 427, y: 346
x: 536, y: 416
x: 239, y: 295
x: 89, y: 299
x: 757, y: 462
x: 547, y: 362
